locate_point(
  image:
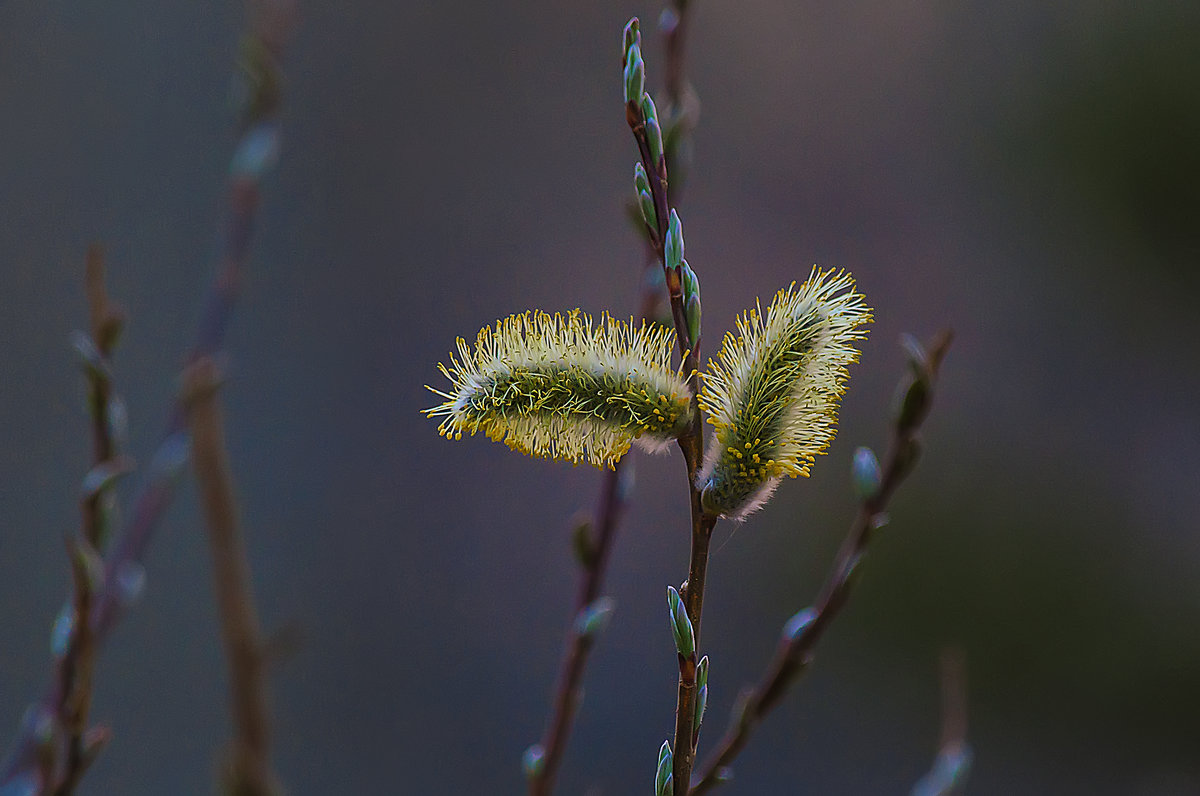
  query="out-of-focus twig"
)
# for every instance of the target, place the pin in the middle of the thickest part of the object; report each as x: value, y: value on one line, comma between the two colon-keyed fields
x: 269, y: 26
x: 801, y: 634
x: 249, y: 769
x: 954, y: 757
x: 63, y: 767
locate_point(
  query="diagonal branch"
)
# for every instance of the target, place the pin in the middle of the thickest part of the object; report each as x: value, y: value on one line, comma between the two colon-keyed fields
x: 795, y: 651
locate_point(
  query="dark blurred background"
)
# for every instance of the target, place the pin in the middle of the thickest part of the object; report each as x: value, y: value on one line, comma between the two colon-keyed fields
x: 1026, y: 173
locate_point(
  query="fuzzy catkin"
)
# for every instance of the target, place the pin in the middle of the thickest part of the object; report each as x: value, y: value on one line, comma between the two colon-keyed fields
x: 562, y: 387
x: 773, y: 392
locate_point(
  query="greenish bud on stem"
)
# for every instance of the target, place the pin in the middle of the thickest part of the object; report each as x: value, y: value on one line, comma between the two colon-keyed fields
x: 641, y: 182
x: 795, y: 626
x: 649, y: 215
x: 654, y: 138
x: 581, y: 542
x: 635, y: 75
x: 673, y: 246
x: 701, y: 695
x: 632, y: 36
x: 533, y: 761
x: 681, y: 624
x: 664, y: 779
x: 592, y: 620
x: 691, y: 311
x: 866, y: 474
x: 649, y: 110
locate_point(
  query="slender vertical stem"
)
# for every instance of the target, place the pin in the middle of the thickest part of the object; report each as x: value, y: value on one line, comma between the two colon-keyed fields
x: 78, y: 661
x: 691, y: 443
x: 249, y: 767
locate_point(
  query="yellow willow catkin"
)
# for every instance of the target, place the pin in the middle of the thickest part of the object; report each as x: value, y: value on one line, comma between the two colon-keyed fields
x: 773, y: 393
x: 562, y: 387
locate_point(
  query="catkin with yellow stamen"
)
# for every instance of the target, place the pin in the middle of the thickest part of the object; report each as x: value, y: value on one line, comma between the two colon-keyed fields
x: 773, y: 393
x: 562, y: 387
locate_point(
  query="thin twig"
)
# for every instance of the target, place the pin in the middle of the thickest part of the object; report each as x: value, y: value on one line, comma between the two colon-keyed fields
x: 249, y: 772
x: 953, y: 761
x: 568, y: 691
x: 77, y: 663
x: 271, y: 21
x: 608, y: 513
x: 691, y: 443
x: 795, y: 650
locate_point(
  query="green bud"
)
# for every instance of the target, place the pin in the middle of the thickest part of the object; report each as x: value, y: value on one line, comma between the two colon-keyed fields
x: 104, y: 475
x: 581, y: 541
x: 60, y: 632
x: 796, y: 626
x: 654, y: 137
x: 866, y: 473
x: 681, y: 624
x: 673, y: 247
x: 594, y: 617
x: 917, y: 357
x: 649, y: 215
x: 632, y: 36
x: 635, y: 75
x: 649, y: 111
x: 701, y: 694
x: 641, y: 182
x: 86, y: 563
x: 691, y: 283
x: 533, y: 761
x: 90, y: 358
x: 691, y: 311
x: 914, y: 403
x: 131, y: 582
x: 663, y: 777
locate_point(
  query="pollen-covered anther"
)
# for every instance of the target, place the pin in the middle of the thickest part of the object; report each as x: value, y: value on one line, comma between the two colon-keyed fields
x: 772, y: 394
x: 563, y: 387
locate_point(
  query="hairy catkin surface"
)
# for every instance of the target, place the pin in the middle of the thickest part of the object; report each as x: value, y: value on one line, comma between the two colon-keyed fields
x: 563, y: 387
x: 773, y: 392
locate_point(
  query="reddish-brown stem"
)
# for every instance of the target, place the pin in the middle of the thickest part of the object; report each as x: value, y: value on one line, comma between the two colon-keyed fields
x: 794, y: 653
x: 249, y: 772
x: 579, y: 643
x: 78, y: 661
x: 691, y: 442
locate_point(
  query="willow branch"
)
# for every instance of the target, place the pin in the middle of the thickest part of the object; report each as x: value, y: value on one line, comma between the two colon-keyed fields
x: 953, y: 761
x: 249, y: 771
x: 795, y: 651
x: 691, y: 443
x: 75, y: 668
x: 270, y: 24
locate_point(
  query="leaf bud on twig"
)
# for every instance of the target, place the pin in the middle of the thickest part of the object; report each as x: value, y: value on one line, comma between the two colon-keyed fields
x: 681, y: 624
x: 664, y: 779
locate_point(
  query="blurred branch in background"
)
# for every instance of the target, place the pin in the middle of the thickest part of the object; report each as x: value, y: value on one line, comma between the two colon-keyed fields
x: 104, y: 587
x: 248, y: 769
x: 953, y: 761
x: 593, y: 540
x: 802, y: 632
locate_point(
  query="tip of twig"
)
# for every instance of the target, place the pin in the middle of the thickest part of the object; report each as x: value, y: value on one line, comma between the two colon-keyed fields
x: 938, y: 348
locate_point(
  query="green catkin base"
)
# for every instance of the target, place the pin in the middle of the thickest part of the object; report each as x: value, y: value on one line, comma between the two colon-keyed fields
x: 773, y: 395
x: 559, y: 386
